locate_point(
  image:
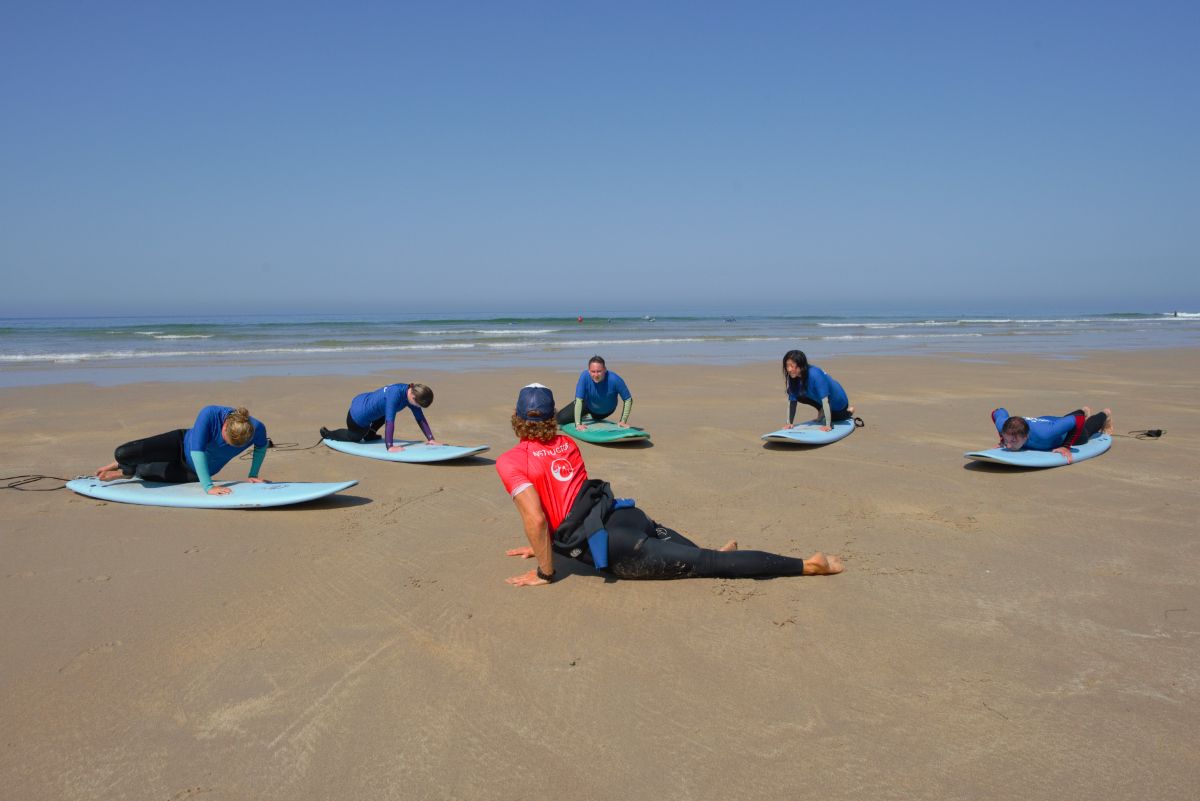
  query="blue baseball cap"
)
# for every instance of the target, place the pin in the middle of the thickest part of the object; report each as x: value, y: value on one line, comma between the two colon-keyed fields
x: 536, y: 402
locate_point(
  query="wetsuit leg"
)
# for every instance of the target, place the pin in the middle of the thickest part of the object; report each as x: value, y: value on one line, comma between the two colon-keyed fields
x: 157, y: 458
x: 353, y: 432
x: 635, y: 551
x: 567, y: 414
x: 844, y: 414
x: 1093, y: 425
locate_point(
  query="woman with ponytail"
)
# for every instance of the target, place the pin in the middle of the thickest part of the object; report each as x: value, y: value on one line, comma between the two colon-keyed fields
x: 193, y: 454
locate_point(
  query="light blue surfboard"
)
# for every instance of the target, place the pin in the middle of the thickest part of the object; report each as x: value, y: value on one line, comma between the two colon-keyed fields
x: 810, y: 433
x: 192, y: 496
x: 414, y: 452
x: 1025, y: 458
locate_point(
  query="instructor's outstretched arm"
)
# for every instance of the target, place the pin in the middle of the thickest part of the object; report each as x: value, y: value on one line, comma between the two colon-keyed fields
x: 537, y: 531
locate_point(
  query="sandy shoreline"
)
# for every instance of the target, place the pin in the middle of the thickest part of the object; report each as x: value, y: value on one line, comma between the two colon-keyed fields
x: 996, y: 635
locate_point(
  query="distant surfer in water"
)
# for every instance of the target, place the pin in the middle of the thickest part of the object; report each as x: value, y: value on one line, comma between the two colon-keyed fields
x: 370, y: 410
x: 596, y: 393
x: 566, y: 513
x: 806, y: 383
x: 1046, y: 433
x: 193, y: 454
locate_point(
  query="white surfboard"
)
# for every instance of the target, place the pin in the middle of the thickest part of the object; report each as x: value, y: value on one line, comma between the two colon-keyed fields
x: 810, y: 433
x: 192, y: 496
x: 1026, y: 458
x: 414, y: 451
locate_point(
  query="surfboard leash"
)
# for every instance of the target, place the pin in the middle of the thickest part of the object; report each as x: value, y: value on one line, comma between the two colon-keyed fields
x: 281, y: 446
x: 19, y: 482
x: 1145, y: 433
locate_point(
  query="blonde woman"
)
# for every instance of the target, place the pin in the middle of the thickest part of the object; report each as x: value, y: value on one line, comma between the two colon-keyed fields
x: 193, y: 454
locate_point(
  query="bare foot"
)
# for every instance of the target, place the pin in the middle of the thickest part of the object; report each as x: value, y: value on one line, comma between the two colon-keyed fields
x: 729, y: 546
x: 1087, y: 411
x: 849, y: 410
x: 1108, y: 427
x: 821, y: 565
x: 109, y: 475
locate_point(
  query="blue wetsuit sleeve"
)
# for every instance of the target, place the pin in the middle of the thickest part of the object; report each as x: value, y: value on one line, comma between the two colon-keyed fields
x: 392, y: 396
x: 998, y: 417
x: 581, y: 386
x: 622, y: 388
x: 200, y: 462
x: 389, y: 430
x: 424, y: 424
x: 256, y: 462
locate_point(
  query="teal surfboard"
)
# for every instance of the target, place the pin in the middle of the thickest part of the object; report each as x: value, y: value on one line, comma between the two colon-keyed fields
x: 414, y: 452
x: 1025, y: 458
x: 810, y: 433
x: 603, y: 432
x: 192, y: 496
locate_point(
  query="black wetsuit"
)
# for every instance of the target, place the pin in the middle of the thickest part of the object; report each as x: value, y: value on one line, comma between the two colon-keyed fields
x: 156, y: 458
x: 639, y: 548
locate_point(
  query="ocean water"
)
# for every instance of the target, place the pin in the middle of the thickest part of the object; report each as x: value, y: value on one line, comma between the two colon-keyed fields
x: 119, y: 350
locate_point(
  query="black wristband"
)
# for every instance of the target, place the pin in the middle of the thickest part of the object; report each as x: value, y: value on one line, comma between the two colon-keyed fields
x: 543, y: 576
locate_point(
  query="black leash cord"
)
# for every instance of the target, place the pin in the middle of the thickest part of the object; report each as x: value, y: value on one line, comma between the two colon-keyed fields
x: 19, y: 482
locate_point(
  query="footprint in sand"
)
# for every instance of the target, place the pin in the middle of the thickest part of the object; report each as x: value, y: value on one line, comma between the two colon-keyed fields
x: 76, y: 664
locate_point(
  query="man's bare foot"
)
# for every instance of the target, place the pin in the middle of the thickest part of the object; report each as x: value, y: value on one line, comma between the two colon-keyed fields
x: 729, y: 546
x: 849, y: 410
x: 1108, y: 427
x: 1087, y: 410
x: 821, y: 565
x: 109, y: 475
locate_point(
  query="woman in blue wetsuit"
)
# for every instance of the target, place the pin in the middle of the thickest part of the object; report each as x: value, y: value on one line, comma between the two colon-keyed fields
x: 596, y: 393
x: 1047, y: 433
x: 806, y: 383
x: 370, y: 410
x: 193, y: 454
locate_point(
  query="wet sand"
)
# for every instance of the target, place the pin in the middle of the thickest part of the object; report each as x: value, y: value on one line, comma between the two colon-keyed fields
x: 997, y: 633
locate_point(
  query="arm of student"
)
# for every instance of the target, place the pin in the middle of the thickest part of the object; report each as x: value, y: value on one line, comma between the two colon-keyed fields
x: 537, y: 531
x: 579, y: 414
x: 425, y: 429
x: 827, y: 417
x: 200, y: 462
x: 625, y: 413
x: 791, y: 413
x: 256, y: 463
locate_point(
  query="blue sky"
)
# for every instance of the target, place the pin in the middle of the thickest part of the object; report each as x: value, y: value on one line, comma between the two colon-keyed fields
x: 230, y: 157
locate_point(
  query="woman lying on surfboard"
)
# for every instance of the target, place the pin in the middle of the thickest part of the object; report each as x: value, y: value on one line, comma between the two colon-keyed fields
x: 1048, y: 433
x: 193, y: 454
x: 370, y: 410
x: 806, y: 383
x: 566, y: 513
x: 596, y: 393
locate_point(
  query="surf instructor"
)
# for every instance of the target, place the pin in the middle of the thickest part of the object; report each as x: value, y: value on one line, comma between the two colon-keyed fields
x: 193, y: 454
x: 596, y: 393
x: 566, y: 514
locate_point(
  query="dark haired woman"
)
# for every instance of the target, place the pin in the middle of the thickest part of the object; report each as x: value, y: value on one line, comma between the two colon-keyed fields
x: 192, y: 454
x: 565, y: 512
x: 596, y: 393
x: 806, y: 383
x: 370, y: 410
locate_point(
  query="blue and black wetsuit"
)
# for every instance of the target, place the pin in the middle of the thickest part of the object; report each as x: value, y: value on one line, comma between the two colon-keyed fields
x: 1047, y: 433
x: 189, y: 454
x: 370, y: 410
x: 597, y: 399
x: 820, y: 388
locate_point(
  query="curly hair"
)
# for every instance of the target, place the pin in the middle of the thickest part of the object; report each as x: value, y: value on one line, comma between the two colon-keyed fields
x: 540, y: 430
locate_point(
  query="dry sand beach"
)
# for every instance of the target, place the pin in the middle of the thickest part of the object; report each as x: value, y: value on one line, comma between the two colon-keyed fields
x: 997, y: 634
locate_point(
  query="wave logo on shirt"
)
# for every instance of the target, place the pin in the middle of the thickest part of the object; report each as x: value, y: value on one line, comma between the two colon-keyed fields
x: 561, y: 469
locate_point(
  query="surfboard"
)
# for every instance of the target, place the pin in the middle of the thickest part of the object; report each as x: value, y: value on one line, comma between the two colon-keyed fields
x: 810, y: 433
x: 415, y: 452
x: 602, y: 432
x: 1025, y: 458
x: 192, y: 496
